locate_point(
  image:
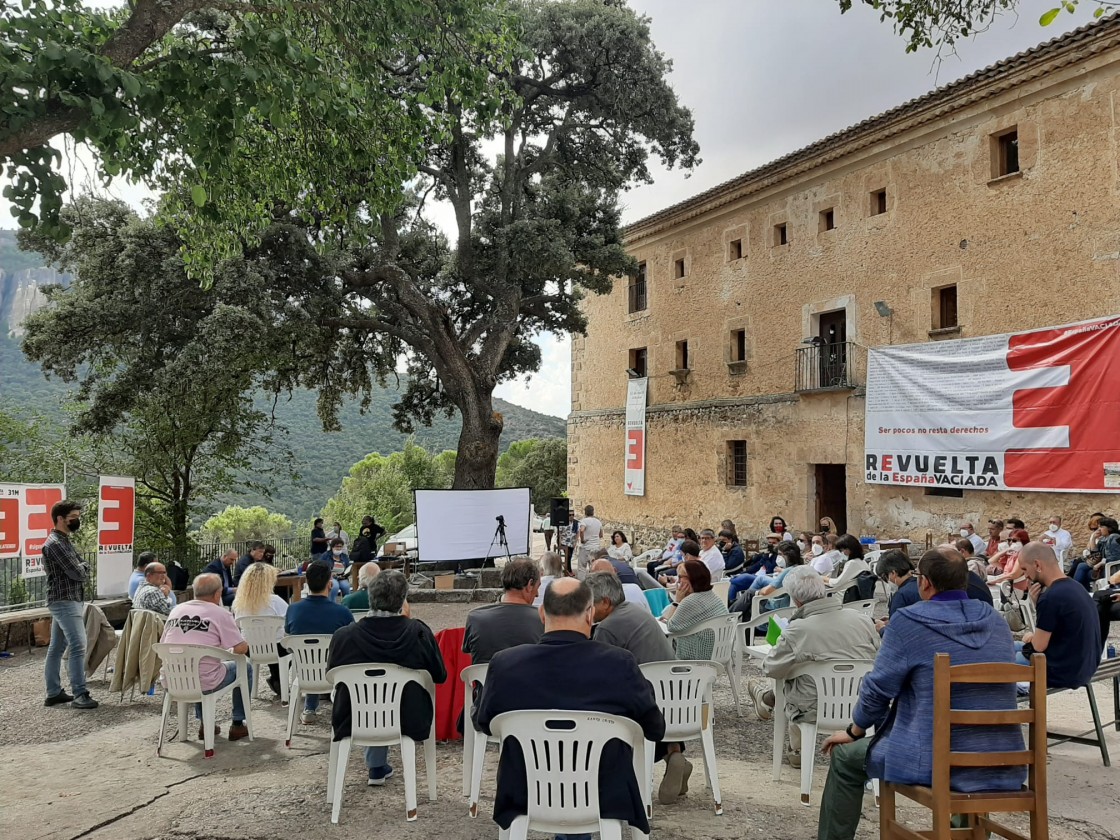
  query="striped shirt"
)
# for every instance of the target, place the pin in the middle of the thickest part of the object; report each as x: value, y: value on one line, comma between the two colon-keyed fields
x: 66, y: 571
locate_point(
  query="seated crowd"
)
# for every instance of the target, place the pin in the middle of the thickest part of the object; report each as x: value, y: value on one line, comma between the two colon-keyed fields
x: 596, y: 627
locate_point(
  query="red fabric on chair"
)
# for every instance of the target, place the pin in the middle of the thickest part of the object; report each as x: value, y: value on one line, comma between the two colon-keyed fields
x: 449, y: 695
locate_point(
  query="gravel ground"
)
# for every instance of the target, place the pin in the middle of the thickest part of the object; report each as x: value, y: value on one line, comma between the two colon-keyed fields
x: 95, y: 774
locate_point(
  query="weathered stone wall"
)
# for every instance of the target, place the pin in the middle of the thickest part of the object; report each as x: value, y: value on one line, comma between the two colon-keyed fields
x: 1030, y: 250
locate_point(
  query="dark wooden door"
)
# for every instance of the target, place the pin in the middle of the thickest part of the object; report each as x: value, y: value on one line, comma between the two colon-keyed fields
x: 832, y: 495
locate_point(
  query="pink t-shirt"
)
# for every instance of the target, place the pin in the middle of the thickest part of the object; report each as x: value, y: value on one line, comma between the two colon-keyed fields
x: 203, y: 623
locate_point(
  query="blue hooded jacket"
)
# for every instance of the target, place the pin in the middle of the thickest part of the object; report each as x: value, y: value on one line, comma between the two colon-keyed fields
x: 902, y: 749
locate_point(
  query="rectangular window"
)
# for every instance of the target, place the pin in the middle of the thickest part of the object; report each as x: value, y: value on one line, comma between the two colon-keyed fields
x: 638, y: 362
x: 950, y: 492
x: 636, y: 293
x: 1005, y: 153
x: 738, y: 345
x: 735, y: 250
x: 879, y: 202
x: 945, y: 308
x: 827, y: 220
x: 678, y: 268
x: 682, y: 355
x: 781, y: 234
x: 737, y: 463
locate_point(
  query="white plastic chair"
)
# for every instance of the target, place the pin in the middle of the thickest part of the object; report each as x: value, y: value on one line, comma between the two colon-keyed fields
x: 376, y: 690
x: 723, y: 648
x: 182, y: 684
x: 746, y: 630
x: 838, y: 685
x: 309, y: 662
x: 722, y: 588
x: 474, y: 742
x: 1109, y: 570
x: 564, y: 795
x: 867, y: 606
x: 852, y: 569
x: 645, y: 558
x: 684, y: 694
x: 261, y: 631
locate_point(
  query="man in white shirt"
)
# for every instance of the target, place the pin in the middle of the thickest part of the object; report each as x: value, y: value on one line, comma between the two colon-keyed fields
x: 1063, y: 539
x: 590, y: 534
x: 979, y: 544
x: 710, y: 555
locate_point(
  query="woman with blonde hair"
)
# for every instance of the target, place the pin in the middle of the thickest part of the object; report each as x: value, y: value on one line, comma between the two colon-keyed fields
x: 255, y: 597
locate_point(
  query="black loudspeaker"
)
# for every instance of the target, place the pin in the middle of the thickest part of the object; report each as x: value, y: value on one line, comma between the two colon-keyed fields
x: 558, y: 512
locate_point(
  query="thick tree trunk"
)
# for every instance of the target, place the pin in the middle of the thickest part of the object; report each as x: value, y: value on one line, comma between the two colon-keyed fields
x: 477, y: 458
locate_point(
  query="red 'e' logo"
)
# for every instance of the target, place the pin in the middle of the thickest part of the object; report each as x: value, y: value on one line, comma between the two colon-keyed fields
x: 117, y: 504
x: 635, y: 449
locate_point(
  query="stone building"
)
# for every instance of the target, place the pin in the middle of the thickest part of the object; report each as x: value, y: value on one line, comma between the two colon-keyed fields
x: 987, y: 206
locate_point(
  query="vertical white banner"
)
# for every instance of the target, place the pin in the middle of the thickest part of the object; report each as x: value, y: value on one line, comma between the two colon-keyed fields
x: 9, y: 520
x: 635, y: 466
x: 35, y: 523
x: 116, y: 526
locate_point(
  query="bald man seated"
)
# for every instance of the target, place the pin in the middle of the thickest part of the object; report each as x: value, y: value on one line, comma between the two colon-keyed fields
x: 596, y: 678
x: 1067, y: 629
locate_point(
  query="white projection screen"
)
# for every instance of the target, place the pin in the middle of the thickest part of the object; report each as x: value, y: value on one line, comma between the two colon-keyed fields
x: 458, y: 525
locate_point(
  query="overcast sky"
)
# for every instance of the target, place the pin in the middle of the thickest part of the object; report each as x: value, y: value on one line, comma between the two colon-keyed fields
x: 765, y: 78
x: 762, y: 79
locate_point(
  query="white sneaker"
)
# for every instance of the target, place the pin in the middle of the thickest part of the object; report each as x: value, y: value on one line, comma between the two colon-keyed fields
x: 307, y: 717
x: 756, y: 689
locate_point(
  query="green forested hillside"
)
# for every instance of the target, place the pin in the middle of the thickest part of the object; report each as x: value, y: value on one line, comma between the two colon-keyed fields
x: 321, y: 458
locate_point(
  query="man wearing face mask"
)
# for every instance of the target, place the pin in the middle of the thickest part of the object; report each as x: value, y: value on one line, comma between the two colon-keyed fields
x: 1063, y: 539
x: 967, y: 532
x: 67, y: 574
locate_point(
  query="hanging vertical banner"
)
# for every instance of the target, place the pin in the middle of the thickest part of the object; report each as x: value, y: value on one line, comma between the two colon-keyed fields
x: 36, y: 501
x: 635, y: 466
x: 9, y: 520
x: 1034, y: 410
x: 116, y: 522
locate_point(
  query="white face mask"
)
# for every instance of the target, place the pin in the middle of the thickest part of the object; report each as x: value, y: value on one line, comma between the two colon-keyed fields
x: 337, y: 552
x: 1016, y: 546
x: 818, y: 549
x: 1003, y: 546
x: 964, y: 533
x: 801, y: 545
x: 781, y: 564
x: 1053, y: 529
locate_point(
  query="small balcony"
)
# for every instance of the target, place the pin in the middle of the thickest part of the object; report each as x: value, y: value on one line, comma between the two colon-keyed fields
x: 826, y: 367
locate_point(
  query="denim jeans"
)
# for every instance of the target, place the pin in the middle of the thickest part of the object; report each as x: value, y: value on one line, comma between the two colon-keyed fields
x: 238, y: 701
x: 738, y: 584
x: 68, y: 630
x: 377, y: 757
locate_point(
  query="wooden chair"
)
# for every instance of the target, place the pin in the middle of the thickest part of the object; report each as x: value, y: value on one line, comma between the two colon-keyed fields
x: 943, y: 801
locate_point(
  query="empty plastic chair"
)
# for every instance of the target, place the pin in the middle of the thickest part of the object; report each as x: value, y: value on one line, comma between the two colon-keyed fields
x: 684, y: 694
x: 474, y: 742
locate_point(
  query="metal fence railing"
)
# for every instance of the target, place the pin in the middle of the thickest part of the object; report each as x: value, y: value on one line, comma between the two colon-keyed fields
x: 20, y: 593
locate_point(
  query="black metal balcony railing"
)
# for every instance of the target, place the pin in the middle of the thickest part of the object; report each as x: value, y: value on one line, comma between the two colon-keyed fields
x: 821, y: 366
x: 637, y: 295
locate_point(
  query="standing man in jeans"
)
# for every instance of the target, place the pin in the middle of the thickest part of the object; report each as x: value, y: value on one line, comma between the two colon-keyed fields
x: 67, y: 574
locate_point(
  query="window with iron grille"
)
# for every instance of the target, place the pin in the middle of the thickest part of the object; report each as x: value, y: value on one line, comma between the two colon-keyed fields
x: 637, y: 300
x: 737, y: 463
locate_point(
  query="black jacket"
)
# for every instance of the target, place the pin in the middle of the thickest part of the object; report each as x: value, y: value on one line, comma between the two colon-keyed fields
x: 566, y: 670
x: 217, y: 567
x: 395, y: 640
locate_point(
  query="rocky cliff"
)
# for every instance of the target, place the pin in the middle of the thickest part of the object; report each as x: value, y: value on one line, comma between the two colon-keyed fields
x: 22, y: 277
